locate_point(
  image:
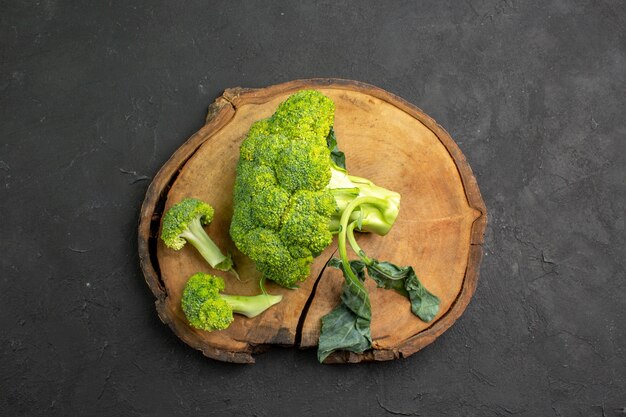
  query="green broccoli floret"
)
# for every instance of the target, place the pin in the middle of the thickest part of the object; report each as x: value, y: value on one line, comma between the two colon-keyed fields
x: 183, y: 223
x: 289, y: 194
x: 207, y: 309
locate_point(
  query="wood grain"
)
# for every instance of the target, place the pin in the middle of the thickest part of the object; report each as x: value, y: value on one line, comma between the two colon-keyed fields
x: 439, y: 230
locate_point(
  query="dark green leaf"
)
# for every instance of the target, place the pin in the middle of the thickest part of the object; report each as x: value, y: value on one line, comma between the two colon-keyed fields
x: 388, y: 276
x: 338, y: 157
x: 424, y: 304
x: 347, y: 327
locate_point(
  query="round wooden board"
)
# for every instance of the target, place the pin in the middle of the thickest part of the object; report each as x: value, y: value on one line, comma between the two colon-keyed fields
x: 439, y: 230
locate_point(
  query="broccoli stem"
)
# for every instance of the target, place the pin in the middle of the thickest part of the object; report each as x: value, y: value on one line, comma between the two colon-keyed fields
x: 355, y: 246
x: 346, y: 232
x: 376, y: 216
x: 251, y: 305
x: 196, y: 235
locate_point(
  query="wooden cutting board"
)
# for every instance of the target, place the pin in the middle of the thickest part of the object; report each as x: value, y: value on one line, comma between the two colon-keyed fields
x: 439, y: 230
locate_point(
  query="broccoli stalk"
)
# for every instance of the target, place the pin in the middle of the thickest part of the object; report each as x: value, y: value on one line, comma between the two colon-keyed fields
x: 364, y: 207
x: 376, y: 215
x: 346, y: 231
x: 206, y: 308
x: 183, y: 223
x: 347, y: 327
x: 196, y: 235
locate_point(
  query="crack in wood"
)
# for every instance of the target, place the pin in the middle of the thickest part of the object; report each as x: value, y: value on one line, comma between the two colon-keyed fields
x: 309, y: 301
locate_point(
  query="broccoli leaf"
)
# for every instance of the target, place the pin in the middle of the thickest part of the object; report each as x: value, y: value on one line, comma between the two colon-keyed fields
x: 424, y: 304
x: 388, y: 276
x: 338, y: 157
x: 347, y: 327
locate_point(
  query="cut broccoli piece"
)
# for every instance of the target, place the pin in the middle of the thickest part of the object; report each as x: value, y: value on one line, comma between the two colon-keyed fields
x: 289, y: 194
x: 207, y: 309
x: 183, y: 223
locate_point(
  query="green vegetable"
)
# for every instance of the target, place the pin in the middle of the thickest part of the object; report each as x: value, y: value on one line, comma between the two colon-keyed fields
x: 347, y: 326
x: 401, y: 279
x: 207, y: 309
x: 424, y: 304
x: 293, y: 193
x: 183, y: 223
x: 290, y: 194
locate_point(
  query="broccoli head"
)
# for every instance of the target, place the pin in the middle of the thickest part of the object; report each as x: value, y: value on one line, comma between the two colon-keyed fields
x: 183, y: 223
x: 207, y: 309
x: 289, y: 194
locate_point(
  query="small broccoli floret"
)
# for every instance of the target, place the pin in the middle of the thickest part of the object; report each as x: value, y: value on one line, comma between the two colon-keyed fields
x: 183, y: 223
x: 207, y: 309
x: 289, y: 194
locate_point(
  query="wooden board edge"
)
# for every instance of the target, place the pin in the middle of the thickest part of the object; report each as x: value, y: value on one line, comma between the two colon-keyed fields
x: 181, y: 330
x: 429, y: 335
x: 422, y: 339
x: 219, y: 114
x: 231, y: 99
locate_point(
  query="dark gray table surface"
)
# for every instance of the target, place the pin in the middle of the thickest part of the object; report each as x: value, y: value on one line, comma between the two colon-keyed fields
x: 95, y: 97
